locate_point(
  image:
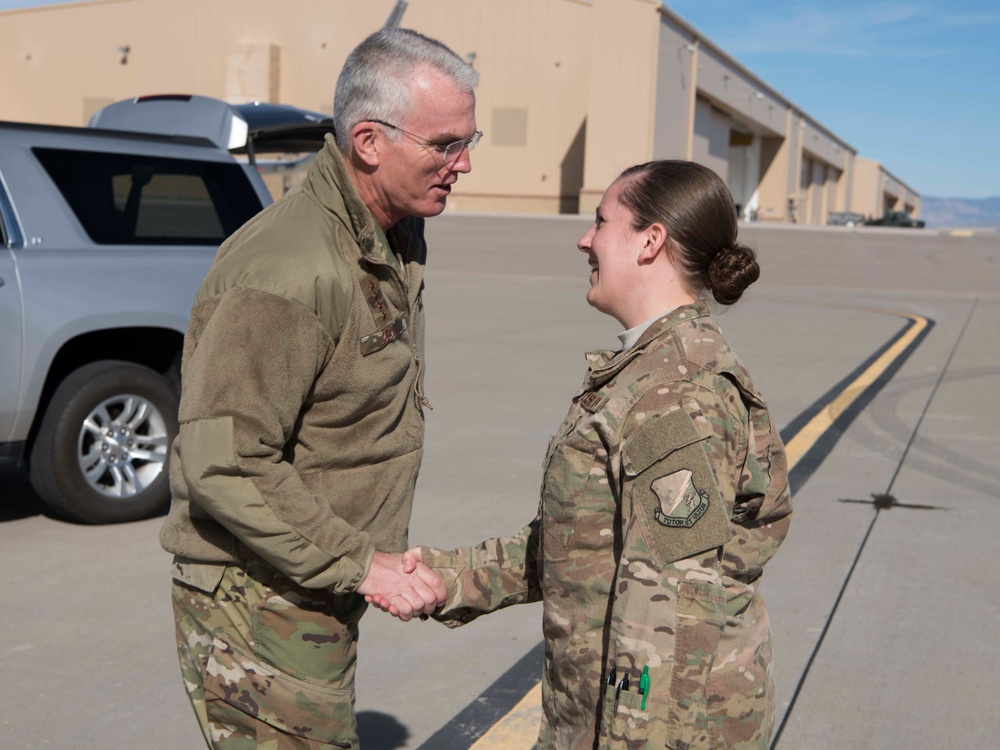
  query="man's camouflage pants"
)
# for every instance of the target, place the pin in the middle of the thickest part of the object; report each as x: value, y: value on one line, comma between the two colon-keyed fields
x: 267, y: 663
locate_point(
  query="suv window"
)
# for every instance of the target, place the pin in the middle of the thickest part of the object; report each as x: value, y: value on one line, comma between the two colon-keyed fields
x: 125, y: 199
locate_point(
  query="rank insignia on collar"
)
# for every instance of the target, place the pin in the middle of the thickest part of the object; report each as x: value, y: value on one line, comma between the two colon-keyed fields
x: 376, y: 300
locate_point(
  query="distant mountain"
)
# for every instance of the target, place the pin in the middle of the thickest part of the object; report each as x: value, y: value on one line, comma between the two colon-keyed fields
x: 960, y: 212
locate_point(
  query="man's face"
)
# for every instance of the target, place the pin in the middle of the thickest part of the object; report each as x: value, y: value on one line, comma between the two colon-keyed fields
x: 414, y: 178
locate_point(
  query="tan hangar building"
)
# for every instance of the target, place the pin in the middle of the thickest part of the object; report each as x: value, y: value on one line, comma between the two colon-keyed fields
x: 571, y: 92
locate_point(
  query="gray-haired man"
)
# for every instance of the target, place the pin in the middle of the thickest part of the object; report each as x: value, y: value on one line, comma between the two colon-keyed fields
x: 302, y: 410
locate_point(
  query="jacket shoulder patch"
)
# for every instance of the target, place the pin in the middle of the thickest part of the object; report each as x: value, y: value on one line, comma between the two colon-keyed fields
x: 673, y: 489
x: 681, y: 502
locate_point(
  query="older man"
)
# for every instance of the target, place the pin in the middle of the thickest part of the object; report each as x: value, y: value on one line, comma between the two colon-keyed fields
x: 302, y: 410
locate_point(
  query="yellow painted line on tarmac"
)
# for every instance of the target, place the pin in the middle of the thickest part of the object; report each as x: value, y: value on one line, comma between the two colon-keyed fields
x: 518, y: 729
x: 961, y: 233
x: 816, y: 427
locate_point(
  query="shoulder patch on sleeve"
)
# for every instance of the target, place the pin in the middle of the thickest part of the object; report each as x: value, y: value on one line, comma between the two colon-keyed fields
x: 675, y: 498
x: 681, y: 502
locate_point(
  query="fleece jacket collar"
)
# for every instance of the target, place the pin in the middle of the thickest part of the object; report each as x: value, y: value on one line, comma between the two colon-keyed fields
x: 330, y: 184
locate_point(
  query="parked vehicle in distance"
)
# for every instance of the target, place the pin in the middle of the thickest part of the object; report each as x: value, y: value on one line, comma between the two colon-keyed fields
x: 844, y: 219
x: 106, y: 232
x: 895, y: 219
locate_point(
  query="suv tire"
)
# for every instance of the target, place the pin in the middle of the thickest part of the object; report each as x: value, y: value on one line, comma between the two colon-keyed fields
x: 101, y: 452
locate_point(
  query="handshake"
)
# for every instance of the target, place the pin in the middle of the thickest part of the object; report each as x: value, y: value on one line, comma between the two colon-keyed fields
x: 402, y: 585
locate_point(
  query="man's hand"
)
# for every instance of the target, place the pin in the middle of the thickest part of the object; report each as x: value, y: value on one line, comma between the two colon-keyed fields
x: 402, y: 585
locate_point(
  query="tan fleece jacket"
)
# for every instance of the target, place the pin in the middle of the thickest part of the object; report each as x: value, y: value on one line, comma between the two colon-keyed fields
x: 301, y: 423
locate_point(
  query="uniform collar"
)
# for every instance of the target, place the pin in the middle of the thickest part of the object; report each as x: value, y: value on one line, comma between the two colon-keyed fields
x: 605, y: 364
x: 330, y: 183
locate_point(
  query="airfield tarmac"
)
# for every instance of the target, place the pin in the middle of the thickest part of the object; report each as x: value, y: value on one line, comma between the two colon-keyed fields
x: 879, y: 354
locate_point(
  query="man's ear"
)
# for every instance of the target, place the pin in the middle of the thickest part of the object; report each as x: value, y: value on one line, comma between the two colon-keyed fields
x: 655, y: 240
x: 365, y: 143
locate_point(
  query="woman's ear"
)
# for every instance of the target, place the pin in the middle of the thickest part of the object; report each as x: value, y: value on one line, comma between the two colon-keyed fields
x: 655, y: 241
x: 365, y: 143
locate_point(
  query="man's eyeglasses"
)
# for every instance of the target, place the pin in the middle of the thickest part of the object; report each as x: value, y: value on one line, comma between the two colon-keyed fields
x: 447, y: 151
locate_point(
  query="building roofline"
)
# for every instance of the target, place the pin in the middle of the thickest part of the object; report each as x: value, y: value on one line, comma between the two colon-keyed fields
x: 881, y: 168
x: 757, y: 80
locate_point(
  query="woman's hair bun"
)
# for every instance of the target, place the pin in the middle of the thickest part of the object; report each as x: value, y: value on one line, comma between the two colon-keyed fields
x: 731, y: 271
x: 696, y: 208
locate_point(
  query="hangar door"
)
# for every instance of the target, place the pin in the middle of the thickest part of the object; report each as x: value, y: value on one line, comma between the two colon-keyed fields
x: 744, y: 172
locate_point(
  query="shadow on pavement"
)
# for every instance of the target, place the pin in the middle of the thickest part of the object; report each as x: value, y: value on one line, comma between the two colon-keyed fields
x: 18, y: 499
x: 378, y: 731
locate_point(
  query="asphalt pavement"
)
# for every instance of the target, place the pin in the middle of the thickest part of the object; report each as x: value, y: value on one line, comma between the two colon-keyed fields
x: 877, y: 350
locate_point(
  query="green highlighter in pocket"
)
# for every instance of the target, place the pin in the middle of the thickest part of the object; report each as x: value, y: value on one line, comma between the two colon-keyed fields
x: 644, y: 686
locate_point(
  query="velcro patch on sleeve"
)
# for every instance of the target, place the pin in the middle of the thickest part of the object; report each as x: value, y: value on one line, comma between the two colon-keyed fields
x: 656, y: 438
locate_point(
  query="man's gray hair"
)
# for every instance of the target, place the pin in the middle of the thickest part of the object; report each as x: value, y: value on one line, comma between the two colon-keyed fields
x: 374, y: 83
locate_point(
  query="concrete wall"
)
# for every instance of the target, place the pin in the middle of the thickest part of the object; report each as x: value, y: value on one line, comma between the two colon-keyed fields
x: 777, y: 157
x: 532, y: 103
x: 865, y: 196
x: 844, y: 184
x: 621, y: 110
x: 676, y: 89
x: 76, y: 53
x: 876, y: 191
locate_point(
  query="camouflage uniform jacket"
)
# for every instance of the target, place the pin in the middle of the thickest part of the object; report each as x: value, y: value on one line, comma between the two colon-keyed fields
x: 301, y: 417
x: 665, y: 492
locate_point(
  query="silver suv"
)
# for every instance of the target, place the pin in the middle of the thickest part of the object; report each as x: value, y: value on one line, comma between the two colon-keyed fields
x: 105, y: 236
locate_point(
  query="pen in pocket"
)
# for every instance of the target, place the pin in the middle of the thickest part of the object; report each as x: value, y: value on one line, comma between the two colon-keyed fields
x: 623, y: 685
x: 644, y: 686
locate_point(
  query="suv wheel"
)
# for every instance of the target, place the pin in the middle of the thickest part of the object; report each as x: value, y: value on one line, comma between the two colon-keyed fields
x: 101, y: 451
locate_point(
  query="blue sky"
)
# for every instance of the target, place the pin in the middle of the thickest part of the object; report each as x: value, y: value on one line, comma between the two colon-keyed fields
x: 914, y: 85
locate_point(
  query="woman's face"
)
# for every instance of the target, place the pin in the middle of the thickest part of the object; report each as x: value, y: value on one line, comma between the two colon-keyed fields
x: 612, y: 247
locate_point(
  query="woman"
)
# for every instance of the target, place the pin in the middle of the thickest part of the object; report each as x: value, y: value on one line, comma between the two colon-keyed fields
x: 665, y: 492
